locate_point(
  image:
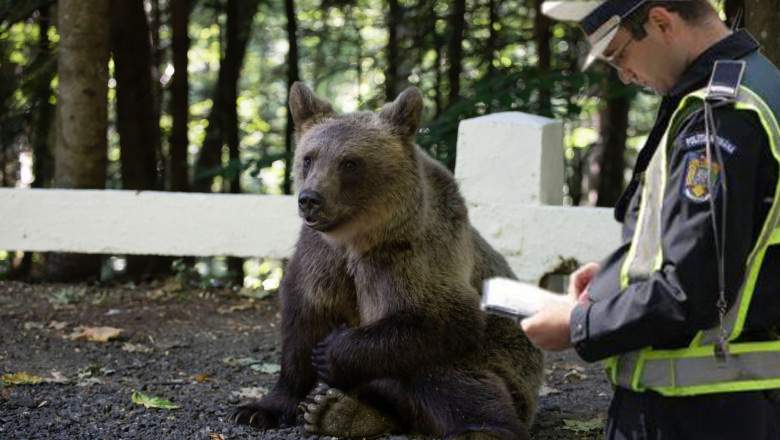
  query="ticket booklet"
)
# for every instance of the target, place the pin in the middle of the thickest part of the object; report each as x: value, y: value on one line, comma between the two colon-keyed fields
x: 515, y: 299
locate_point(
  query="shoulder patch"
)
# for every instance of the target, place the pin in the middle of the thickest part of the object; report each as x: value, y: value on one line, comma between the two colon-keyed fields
x: 695, y: 184
x: 698, y: 139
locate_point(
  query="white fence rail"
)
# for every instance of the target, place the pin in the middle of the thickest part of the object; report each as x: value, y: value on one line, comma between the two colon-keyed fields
x: 510, y: 169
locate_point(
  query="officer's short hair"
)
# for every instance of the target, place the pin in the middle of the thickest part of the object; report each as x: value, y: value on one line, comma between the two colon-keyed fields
x: 692, y: 11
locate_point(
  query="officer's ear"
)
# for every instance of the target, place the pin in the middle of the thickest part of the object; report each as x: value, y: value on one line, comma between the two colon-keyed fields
x: 666, y: 23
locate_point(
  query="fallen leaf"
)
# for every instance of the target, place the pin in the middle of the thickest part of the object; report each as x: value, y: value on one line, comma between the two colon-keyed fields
x: 200, y: 378
x: 95, y: 334
x: 56, y: 377
x: 252, y: 393
x: 254, y: 293
x: 583, y: 425
x: 574, y: 375
x: 21, y: 378
x: 88, y: 382
x: 58, y: 325
x: 69, y: 295
x: 112, y: 312
x: 152, y: 402
x: 223, y: 310
x: 266, y: 368
x: 136, y: 348
x: 240, y: 362
x: 32, y: 325
x: 216, y: 436
x: 156, y: 294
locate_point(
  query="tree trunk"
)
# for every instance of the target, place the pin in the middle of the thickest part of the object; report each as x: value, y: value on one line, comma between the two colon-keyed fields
x: 42, y: 118
x: 240, y: 15
x: 137, y: 117
x: 438, y: 42
x: 130, y: 42
x: 613, y: 123
x: 155, y: 21
x: 542, y: 37
x: 457, y: 25
x: 180, y: 13
x: 223, y: 120
x: 292, y: 76
x: 43, y: 161
x: 394, y: 18
x: 762, y: 19
x: 82, y: 114
x: 492, y: 43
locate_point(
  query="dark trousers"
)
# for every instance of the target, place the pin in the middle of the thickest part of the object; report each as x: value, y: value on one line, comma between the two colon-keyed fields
x: 749, y: 415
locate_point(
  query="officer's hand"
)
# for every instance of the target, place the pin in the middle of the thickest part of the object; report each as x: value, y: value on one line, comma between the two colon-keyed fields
x: 549, y: 328
x: 579, y: 280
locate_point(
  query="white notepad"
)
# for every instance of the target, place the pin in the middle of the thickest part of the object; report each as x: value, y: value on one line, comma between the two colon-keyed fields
x: 515, y: 299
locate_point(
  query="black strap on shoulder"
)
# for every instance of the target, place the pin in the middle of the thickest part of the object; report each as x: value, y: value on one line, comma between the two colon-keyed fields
x: 725, y: 80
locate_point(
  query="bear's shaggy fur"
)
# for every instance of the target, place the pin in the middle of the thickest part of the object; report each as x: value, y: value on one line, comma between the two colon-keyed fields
x: 380, y: 301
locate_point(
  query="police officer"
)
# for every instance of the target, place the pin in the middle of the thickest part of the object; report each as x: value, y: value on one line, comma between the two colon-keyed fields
x: 684, y: 311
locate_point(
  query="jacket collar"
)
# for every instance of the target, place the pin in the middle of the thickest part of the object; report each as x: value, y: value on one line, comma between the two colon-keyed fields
x: 733, y: 47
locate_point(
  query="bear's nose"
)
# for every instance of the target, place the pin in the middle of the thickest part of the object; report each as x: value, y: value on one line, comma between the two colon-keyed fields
x: 310, y: 201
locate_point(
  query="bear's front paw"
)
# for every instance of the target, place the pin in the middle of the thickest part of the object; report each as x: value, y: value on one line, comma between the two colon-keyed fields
x: 255, y: 415
x: 324, y: 359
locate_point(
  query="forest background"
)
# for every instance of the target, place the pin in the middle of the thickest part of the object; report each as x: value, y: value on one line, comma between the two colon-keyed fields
x: 190, y: 95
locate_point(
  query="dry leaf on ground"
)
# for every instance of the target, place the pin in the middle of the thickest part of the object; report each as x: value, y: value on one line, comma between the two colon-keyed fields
x: 136, y: 348
x: 20, y: 378
x: 251, y: 393
x: 583, y: 425
x: 95, y: 334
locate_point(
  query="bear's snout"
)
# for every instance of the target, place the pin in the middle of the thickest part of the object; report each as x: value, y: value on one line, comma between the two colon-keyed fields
x: 310, y: 202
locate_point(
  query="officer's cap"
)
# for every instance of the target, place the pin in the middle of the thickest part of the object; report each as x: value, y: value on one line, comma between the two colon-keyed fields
x: 600, y: 19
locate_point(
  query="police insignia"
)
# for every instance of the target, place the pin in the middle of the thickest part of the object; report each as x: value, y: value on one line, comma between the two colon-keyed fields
x: 696, y: 184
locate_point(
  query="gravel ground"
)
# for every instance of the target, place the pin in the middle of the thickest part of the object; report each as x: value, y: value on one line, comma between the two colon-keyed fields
x: 201, y: 349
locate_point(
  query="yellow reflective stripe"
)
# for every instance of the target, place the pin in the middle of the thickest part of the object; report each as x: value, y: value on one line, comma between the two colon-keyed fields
x: 659, y: 259
x: 723, y: 387
x: 770, y: 125
x: 624, y: 269
x: 611, y: 365
x: 707, y: 350
x: 640, y: 363
x: 775, y: 238
x: 696, y: 339
x: 767, y: 118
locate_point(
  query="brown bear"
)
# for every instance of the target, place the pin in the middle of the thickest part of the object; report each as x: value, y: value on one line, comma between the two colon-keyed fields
x: 380, y: 301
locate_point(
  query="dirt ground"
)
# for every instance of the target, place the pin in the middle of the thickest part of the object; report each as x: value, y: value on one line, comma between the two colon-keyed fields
x: 203, y: 350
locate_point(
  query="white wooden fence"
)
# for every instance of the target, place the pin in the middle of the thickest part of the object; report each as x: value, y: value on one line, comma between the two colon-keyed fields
x: 510, y: 169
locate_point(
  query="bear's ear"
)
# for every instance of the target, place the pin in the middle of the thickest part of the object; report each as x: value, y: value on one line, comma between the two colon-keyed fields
x: 405, y: 112
x: 305, y: 105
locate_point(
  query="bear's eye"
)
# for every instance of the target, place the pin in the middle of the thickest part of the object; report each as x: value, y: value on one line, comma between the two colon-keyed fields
x: 306, y: 164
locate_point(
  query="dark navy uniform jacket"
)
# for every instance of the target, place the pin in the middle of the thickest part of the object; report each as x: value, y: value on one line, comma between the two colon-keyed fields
x: 666, y: 310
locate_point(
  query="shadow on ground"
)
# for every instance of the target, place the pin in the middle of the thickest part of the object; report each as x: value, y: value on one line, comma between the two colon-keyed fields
x: 204, y: 350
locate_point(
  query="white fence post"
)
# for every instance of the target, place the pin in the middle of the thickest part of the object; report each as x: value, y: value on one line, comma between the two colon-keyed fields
x: 510, y: 168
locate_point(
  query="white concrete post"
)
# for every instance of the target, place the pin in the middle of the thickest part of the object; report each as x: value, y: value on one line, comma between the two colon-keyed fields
x: 510, y: 169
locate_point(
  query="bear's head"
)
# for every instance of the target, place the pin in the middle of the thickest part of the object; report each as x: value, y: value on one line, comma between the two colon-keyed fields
x: 355, y: 173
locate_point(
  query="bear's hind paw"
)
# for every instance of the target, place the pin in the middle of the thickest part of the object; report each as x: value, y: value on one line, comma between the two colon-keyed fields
x: 328, y: 411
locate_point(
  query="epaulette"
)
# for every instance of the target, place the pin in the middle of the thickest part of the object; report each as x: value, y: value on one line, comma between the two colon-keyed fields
x: 725, y: 80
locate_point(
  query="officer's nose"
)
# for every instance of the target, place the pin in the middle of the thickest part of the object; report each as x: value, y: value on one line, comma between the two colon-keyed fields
x: 310, y: 202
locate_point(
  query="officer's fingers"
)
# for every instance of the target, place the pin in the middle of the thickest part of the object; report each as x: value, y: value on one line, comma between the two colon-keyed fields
x: 580, y: 278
